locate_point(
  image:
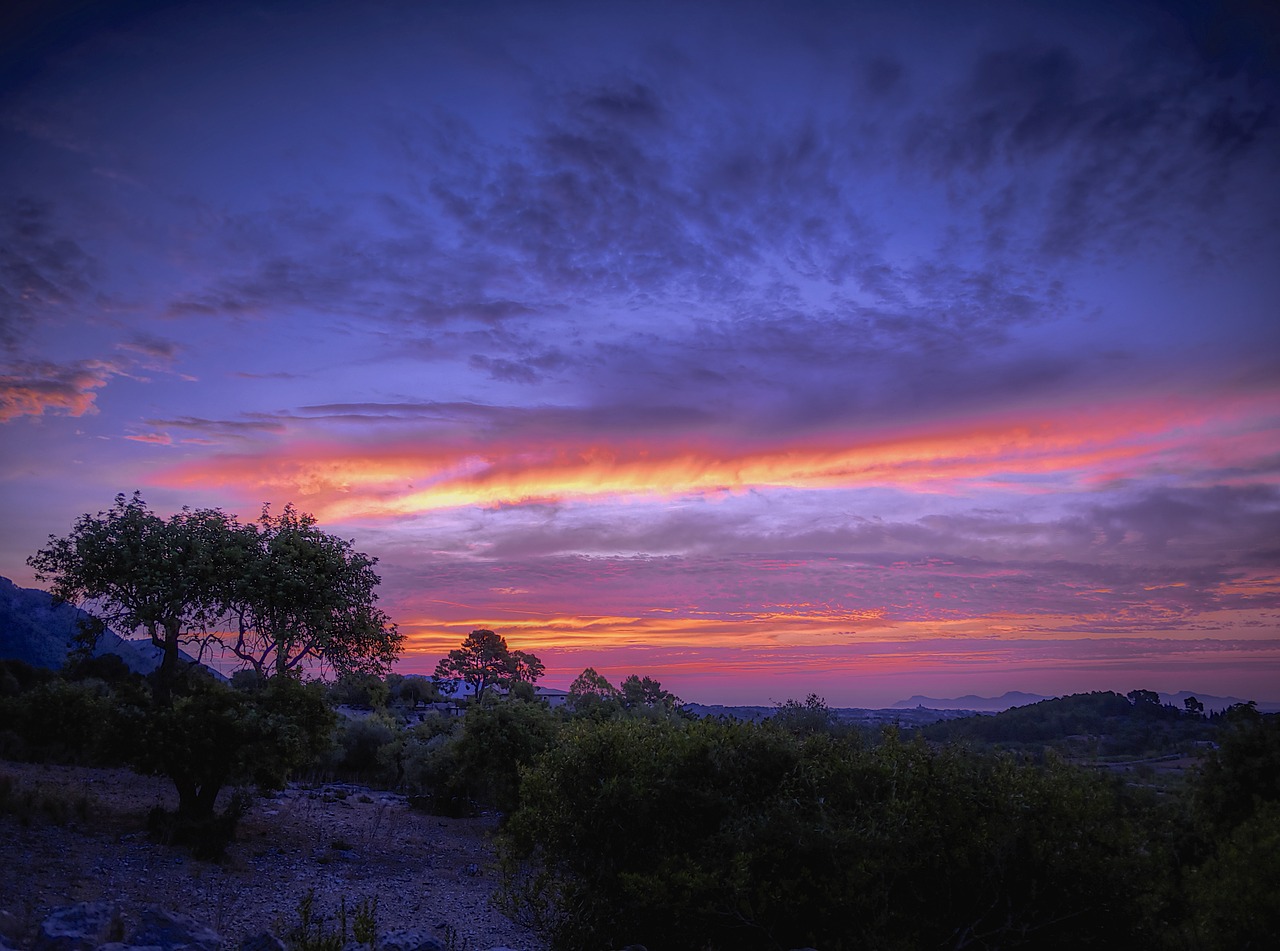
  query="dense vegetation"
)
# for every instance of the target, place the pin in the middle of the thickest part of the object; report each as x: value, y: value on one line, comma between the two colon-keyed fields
x: 633, y: 823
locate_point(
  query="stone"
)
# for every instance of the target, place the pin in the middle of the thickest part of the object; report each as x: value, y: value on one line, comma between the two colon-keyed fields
x: 80, y: 927
x: 408, y: 939
x: 263, y: 941
x: 157, y: 927
x: 99, y: 926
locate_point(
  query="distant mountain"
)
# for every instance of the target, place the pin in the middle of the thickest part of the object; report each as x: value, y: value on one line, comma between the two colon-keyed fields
x: 1013, y: 698
x: 36, y: 631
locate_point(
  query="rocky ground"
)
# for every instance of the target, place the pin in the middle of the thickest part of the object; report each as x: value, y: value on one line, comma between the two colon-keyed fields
x: 80, y: 835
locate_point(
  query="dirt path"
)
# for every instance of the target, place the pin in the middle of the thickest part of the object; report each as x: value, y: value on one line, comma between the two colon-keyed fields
x: 341, y: 841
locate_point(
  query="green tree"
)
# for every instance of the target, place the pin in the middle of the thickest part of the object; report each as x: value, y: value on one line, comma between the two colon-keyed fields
x: 411, y: 689
x: 1144, y: 699
x: 812, y: 716
x: 639, y: 692
x: 132, y: 569
x: 359, y: 690
x: 213, y: 736
x: 301, y: 594
x: 484, y: 660
x: 591, y: 693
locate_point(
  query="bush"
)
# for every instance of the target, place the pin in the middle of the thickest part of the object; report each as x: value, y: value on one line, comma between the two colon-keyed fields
x: 456, y: 767
x: 81, y: 722
x: 716, y: 834
x: 362, y: 749
x: 214, y: 736
x: 364, y: 691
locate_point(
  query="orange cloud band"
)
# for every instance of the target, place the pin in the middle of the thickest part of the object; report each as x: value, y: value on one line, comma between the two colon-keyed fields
x: 1032, y: 453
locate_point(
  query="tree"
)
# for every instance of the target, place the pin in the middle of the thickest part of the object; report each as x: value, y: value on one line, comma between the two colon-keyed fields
x: 134, y: 570
x: 213, y: 736
x: 484, y: 661
x: 1193, y: 706
x: 1144, y: 699
x: 591, y: 691
x: 412, y: 689
x: 812, y: 716
x: 640, y: 692
x: 302, y: 595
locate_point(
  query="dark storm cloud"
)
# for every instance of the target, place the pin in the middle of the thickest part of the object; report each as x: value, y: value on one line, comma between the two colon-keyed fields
x: 1143, y: 141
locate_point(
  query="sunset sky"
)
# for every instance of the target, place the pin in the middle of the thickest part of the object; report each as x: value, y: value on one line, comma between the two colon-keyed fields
x: 865, y: 349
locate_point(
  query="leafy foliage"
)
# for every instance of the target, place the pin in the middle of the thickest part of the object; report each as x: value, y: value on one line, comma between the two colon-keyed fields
x: 213, y: 736
x: 709, y: 834
x: 591, y: 694
x: 293, y: 592
x: 299, y: 594
x: 644, y: 692
x: 139, y: 571
x: 1101, y: 723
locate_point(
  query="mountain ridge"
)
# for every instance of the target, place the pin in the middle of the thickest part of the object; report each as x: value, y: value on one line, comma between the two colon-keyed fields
x: 39, y: 632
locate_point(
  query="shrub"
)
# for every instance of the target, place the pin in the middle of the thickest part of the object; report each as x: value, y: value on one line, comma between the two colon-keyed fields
x: 362, y: 748
x: 717, y: 834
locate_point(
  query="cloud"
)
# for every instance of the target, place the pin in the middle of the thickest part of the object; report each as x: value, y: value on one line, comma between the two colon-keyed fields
x: 155, y: 352
x: 213, y: 432
x: 421, y: 457
x: 34, y: 388
x: 156, y: 439
x: 42, y: 272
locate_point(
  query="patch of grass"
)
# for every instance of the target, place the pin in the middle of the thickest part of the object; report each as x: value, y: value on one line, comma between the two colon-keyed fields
x: 315, y: 931
x: 44, y: 802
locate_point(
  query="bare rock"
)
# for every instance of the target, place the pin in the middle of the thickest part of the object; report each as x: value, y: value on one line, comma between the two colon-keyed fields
x: 171, y: 931
x: 263, y: 941
x: 80, y: 927
x: 100, y: 926
x: 409, y: 939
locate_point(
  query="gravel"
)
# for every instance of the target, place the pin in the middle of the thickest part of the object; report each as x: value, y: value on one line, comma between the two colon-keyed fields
x: 346, y: 843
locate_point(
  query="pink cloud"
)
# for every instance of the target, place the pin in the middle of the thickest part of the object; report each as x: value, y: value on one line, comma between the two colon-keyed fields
x: 40, y: 387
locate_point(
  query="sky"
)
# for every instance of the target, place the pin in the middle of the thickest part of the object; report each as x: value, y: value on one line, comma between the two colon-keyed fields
x: 864, y: 349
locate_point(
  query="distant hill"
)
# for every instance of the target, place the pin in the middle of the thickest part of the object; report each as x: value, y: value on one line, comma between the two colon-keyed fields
x: 860, y: 715
x: 36, y: 631
x: 1013, y: 698
x: 1213, y: 704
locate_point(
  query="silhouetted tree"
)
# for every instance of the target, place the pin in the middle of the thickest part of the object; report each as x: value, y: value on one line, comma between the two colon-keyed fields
x: 484, y: 661
x: 134, y: 570
x: 303, y: 595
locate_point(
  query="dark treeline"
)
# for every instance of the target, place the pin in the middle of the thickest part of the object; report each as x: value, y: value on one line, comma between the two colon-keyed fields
x: 627, y: 821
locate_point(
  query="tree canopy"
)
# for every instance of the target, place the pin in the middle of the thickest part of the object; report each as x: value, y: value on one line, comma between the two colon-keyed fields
x: 134, y: 570
x: 302, y: 595
x: 289, y: 592
x: 484, y: 660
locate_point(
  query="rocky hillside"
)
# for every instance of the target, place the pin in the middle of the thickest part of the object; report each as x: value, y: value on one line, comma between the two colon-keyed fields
x: 36, y: 631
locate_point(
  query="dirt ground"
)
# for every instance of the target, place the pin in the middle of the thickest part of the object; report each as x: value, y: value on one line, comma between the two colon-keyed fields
x: 344, y: 842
